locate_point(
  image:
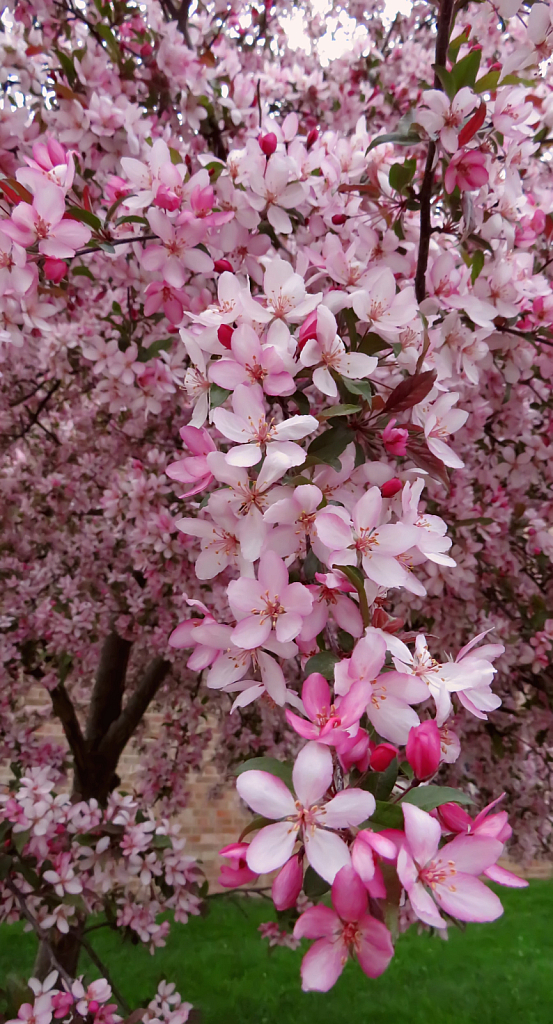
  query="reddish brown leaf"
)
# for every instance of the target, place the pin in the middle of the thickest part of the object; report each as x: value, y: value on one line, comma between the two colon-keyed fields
x: 472, y: 125
x: 411, y: 391
x: 419, y: 453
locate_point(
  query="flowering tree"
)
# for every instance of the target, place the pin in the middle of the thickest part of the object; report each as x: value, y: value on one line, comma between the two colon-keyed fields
x: 335, y: 284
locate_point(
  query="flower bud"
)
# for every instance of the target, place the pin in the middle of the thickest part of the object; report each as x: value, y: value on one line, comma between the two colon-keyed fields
x: 54, y: 270
x: 224, y: 334
x: 382, y: 756
x: 146, y: 50
x: 453, y: 818
x: 308, y: 330
x: 268, y: 143
x: 287, y: 884
x: 338, y: 219
x: 237, y: 872
x: 312, y: 137
x: 424, y: 749
x: 222, y: 265
x: 391, y: 487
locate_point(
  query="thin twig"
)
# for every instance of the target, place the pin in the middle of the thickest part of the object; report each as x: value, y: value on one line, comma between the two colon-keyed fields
x: 116, y: 241
x: 39, y: 931
x: 104, y: 971
x: 425, y: 194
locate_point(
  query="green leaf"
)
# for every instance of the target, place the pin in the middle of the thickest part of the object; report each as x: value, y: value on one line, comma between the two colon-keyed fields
x: 114, y: 207
x: 272, y: 765
x: 163, y: 345
x: 6, y: 864
x: 302, y: 402
x: 385, y: 816
x: 330, y: 444
x: 353, y: 574
x: 465, y: 71
x: 456, y: 44
x: 430, y: 797
x: 381, y: 784
x: 215, y: 169
x: 313, y: 885
x: 340, y: 410
x: 488, y: 83
x: 372, y: 343
x: 402, y: 174
x: 67, y: 65
x: 351, y: 323
x: 324, y: 663
x: 477, y: 264
x: 109, y: 39
x: 86, y: 217
x: 410, y: 138
x: 131, y: 219
x: 83, y: 272
x: 217, y: 396
x: 446, y: 78
x: 258, y: 822
x: 359, y: 387
x: 20, y: 839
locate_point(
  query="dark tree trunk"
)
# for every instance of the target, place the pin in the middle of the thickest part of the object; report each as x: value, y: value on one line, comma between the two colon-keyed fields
x: 96, y: 754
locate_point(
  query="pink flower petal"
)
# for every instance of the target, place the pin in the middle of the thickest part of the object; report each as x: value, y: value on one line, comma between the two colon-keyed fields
x: 265, y: 794
x: 322, y: 965
x: 271, y: 847
x: 350, y: 807
x: 312, y: 773
x: 468, y: 899
x: 316, y: 923
x: 423, y: 833
x: 349, y: 896
x: 326, y: 853
x: 376, y: 949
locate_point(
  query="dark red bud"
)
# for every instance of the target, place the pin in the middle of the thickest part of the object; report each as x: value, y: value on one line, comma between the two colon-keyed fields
x: 382, y: 756
x: 221, y: 265
x: 391, y: 487
x: 146, y: 50
x: 224, y: 334
x: 312, y: 137
x: 268, y: 143
x: 339, y: 218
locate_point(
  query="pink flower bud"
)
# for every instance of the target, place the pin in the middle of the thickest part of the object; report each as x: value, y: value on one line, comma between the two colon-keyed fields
x: 308, y: 330
x: 312, y: 137
x: 453, y: 818
x: 268, y: 143
x: 287, y: 884
x: 391, y: 487
x: 339, y: 219
x: 424, y: 749
x: 224, y: 334
x: 237, y: 872
x: 54, y: 269
x: 222, y: 265
x: 382, y: 756
x: 395, y: 439
x: 146, y: 50
x: 93, y: 1006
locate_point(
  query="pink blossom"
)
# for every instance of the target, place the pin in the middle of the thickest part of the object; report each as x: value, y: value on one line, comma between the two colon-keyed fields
x: 237, y: 872
x: 443, y: 118
x: 446, y: 876
x: 268, y: 603
x: 44, y: 222
x: 467, y: 170
x: 329, y: 350
x: 395, y: 438
x: 423, y: 749
x: 345, y: 931
x: 194, y: 468
x: 330, y: 721
x: 308, y: 816
x: 248, y: 428
x: 288, y: 883
x: 252, y: 363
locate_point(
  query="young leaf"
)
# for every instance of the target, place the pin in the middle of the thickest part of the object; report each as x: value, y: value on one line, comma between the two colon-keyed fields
x: 272, y: 765
x: 324, y: 663
x: 217, y: 396
x: 410, y: 392
x: 430, y: 797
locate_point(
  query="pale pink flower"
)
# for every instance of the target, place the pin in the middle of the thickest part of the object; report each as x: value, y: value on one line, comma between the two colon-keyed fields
x: 285, y: 293
x: 252, y: 363
x: 44, y: 222
x: 330, y: 596
x: 329, y: 350
x: 247, y: 427
x: 268, y: 603
x: 390, y: 693
x: 439, y: 421
x: 442, y: 118
x: 347, y: 930
x: 446, y: 876
x: 377, y: 545
x: 380, y: 305
x: 273, y: 191
x: 178, y: 252
x: 308, y: 816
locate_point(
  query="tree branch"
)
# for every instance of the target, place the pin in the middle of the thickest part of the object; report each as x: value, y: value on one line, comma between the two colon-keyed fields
x: 106, y: 701
x: 425, y: 194
x: 120, y: 732
x: 63, y: 708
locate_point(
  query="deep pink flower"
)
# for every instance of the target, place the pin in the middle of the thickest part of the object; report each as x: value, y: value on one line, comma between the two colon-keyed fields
x: 467, y: 169
x: 268, y: 603
x: 194, y: 468
x: 395, y: 439
x: 424, y: 749
x: 348, y: 930
x: 237, y: 872
x: 44, y: 222
x: 329, y: 721
x: 288, y: 883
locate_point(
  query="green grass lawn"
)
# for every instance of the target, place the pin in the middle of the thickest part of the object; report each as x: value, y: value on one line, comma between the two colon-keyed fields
x: 500, y: 973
